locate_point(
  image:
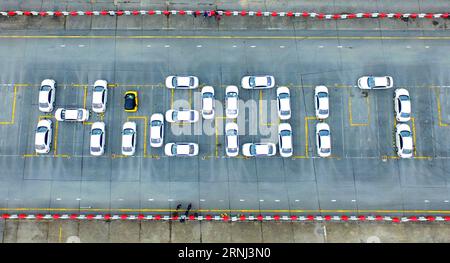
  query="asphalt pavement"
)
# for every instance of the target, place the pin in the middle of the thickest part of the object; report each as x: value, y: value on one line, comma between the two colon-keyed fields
x: 362, y: 176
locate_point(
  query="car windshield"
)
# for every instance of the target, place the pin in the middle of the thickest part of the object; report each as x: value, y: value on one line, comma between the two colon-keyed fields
x: 251, y: 81
x: 95, y: 149
x: 231, y: 132
x: 128, y: 131
x: 285, y: 133
x: 174, y: 115
x: 283, y: 95
x: 405, y: 133
x: 371, y: 82
x: 323, y: 111
x: 129, y: 101
x: 156, y: 140
x: 80, y: 114
x: 232, y: 94
x: 269, y: 81
x: 98, y: 88
x: 45, y: 88
x: 40, y: 147
x: 284, y: 112
x: 253, y: 149
x: 174, y: 82
x: 403, y: 98
x: 156, y: 123
x: 404, y: 114
x: 191, y: 81
x: 286, y: 150
x: 43, y: 104
x: 96, y: 131
x: 324, y: 132
x: 127, y: 149
x: 63, y: 114
x: 207, y: 95
x: 322, y: 94
x: 41, y: 129
x: 174, y: 148
x: 407, y: 151
x: 325, y: 150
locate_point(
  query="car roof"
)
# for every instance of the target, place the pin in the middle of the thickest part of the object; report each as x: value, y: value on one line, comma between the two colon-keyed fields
x: 323, y: 103
x: 232, y: 141
x: 39, y: 139
x: 154, y: 131
x: 127, y: 140
x: 208, y: 103
x: 95, y: 140
x: 325, y: 141
x: 284, y: 104
x: 183, y: 148
x: 261, y: 81
x: 97, y: 96
x: 380, y: 81
x: 71, y: 114
x: 286, y: 141
x: 184, y: 115
x: 183, y: 81
x: 43, y: 96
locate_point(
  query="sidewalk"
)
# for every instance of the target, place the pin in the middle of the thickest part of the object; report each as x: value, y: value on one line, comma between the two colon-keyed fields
x: 205, y: 232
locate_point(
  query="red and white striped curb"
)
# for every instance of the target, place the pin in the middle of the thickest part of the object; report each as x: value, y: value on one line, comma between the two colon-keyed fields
x: 293, y: 218
x: 225, y: 13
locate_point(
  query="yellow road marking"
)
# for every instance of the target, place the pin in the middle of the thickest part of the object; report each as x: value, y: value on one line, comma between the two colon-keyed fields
x: 55, y: 145
x: 438, y: 101
x: 85, y: 96
x: 143, y: 210
x: 305, y: 156
x: 171, y: 98
x: 13, y: 111
x: 227, y: 37
x: 145, y: 130
x: 60, y: 234
x: 414, y: 134
x: 350, y: 114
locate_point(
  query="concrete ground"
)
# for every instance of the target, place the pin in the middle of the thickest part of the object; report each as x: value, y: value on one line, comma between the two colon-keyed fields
x: 213, y: 232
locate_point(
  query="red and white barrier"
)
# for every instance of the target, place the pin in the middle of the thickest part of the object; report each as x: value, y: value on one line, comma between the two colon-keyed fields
x: 224, y: 218
x: 224, y: 13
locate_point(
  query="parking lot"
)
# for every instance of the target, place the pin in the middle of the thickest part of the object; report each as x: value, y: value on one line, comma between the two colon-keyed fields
x: 363, y: 173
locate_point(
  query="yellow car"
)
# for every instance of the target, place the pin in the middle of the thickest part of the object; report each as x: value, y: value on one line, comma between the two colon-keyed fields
x: 131, y: 101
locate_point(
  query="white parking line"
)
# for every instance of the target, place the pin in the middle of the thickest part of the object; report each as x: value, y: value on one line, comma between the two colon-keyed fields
x: 320, y: 46
x: 277, y: 200
x: 242, y: 200
x: 408, y: 46
x: 62, y: 45
x: 252, y: 46
x: 81, y: 45
x: 149, y: 45
x: 426, y: 201
x: 340, y: 46
x: 427, y: 46
x: 170, y: 200
x: 199, y: 45
x: 296, y: 200
x: 234, y: 46
x: 58, y: 199
x: 445, y: 201
x: 282, y: 46
x: 78, y: 199
x: 262, y: 200
x: 334, y: 200
x: 151, y: 199
x: 166, y: 45
x: 120, y: 199
x: 202, y: 200
x: 353, y: 200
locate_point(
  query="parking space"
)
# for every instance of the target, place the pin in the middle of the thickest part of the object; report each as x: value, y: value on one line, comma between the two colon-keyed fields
x: 363, y: 161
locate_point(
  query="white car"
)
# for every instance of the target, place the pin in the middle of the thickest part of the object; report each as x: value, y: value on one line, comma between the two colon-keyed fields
x: 182, y: 82
x: 208, y: 102
x: 47, y: 93
x: 402, y: 105
x: 99, y: 96
x: 404, y: 141
x: 231, y: 101
x: 284, y: 103
x: 129, y: 138
x: 232, y: 139
x: 97, y: 146
x: 44, y: 136
x: 62, y: 114
x: 182, y: 115
x: 285, y: 139
x: 258, y: 82
x: 321, y: 102
x: 181, y: 149
x: 323, y: 139
x: 259, y: 149
x: 371, y: 82
x: 156, y: 130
